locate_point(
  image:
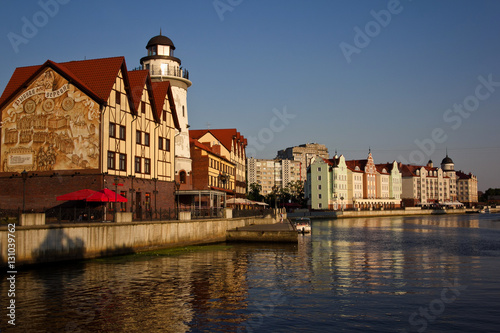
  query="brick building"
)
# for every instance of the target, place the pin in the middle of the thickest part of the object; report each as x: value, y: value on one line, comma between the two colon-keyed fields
x: 230, y: 144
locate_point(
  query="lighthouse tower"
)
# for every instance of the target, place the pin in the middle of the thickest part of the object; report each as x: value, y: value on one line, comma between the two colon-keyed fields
x: 163, y: 66
x: 448, y: 168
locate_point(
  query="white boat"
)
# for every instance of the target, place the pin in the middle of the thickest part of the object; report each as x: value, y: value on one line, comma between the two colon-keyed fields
x: 303, y: 225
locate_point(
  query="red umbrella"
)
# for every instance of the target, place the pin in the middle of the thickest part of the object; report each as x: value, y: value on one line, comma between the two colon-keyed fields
x: 106, y: 196
x: 77, y: 195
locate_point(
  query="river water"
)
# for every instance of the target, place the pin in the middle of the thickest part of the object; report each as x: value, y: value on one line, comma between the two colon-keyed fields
x: 395, y: 274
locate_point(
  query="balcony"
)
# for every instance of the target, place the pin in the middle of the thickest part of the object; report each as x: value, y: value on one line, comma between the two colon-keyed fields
x: 175, y: 71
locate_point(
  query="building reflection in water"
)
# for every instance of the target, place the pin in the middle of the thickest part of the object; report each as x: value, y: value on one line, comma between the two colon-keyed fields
x: 389, y: 255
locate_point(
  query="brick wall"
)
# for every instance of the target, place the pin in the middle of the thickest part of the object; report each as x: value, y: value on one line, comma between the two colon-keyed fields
x: 42, y: 189
x: 199, y: 174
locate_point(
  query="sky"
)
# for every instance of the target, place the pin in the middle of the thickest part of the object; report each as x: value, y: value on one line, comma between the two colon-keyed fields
x: 407, y: 80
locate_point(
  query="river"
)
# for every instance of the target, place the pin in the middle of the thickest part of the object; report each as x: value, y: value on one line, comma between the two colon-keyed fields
x: 393, y: 274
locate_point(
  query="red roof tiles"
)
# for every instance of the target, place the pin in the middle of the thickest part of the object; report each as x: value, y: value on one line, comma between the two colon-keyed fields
x: 225, y: 136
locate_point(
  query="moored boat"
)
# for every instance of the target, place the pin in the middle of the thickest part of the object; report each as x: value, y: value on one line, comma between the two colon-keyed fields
x: 303, y: 225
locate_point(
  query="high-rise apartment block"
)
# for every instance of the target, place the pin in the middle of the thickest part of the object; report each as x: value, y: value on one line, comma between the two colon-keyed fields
x: 303, y: 153
x: 270, y: 173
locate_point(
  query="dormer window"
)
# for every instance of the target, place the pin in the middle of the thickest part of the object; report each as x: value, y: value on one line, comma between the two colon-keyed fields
x: 152, y: 51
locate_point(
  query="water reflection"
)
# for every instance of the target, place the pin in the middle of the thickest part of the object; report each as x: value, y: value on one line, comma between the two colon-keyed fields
x: 353, y: 274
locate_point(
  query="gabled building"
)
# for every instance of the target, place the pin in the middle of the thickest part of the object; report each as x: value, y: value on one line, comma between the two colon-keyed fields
x: 87, y: 124
x: 231, y: 145
x: 339, y: 184
x: 389, y: 184
x: 329, y: 185
x: 467, y: 188
x: 425, y: 185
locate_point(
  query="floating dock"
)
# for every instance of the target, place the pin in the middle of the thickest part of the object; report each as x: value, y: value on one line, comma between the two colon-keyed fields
x: 276, y: 232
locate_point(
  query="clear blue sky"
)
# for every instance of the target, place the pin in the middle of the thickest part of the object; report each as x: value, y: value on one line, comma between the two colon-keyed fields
x: 388, y: 87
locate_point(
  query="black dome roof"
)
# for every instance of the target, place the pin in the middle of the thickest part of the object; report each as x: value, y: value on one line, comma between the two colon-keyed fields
x: 160, y: 40
x: 447, y: 160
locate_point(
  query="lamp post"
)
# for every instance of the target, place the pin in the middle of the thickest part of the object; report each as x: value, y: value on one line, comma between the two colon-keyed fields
x: 116, y: 195
x: 24, y: 174
x: 132, y: 190
x: 155, y: 192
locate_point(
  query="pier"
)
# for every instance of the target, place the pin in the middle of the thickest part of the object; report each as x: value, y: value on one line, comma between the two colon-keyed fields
x: 277, y: 232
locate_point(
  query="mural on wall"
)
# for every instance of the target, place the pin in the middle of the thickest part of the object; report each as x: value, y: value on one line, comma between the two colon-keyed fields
x: 51, y: 125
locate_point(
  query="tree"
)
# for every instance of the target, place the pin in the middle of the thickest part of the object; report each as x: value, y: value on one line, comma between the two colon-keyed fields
x: 296, y: 190
x: 254, y: 193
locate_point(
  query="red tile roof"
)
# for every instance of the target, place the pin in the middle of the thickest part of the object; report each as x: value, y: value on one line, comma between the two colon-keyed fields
x: 225, y: 136
x: 137, y: 82
x: 463, y: 175
x: 95, y: 77
x: 198, y: 144
x: 160, y: 91
x: 352, y: 164
x: 386, y: 166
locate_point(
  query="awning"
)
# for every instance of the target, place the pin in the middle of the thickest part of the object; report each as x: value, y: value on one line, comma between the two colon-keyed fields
x: 106, y: 196
x: 77, y: 195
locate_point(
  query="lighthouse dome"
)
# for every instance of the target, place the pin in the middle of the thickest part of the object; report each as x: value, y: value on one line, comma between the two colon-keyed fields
x: 160, y: 40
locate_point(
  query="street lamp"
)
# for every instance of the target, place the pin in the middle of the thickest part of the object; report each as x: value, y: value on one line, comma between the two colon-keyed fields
x: 116, y: 195
x: 24, y: 174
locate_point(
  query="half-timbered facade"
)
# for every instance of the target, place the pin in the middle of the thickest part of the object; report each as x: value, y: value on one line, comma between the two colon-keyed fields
x: 87, y: 124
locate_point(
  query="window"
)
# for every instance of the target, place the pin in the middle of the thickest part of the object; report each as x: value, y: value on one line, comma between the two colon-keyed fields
x: 112, y: 130
x: 138, y: 137
x: 167, y: 144
x: 122, y: 164
x: 319, y: 187
x: 146, y: 139
x: 137, y: 164
x: 164, y: 115
x: 147, y: 202
x: 319, y: 177
x: 122, y: 132
x: 319, y: 196
x: 118, y: 98
x: 111, y: 160
x: 147, y: 166
x: 182, y: 177
x: 160, y: 143
x: 319, y: 168
x: 143, y: 107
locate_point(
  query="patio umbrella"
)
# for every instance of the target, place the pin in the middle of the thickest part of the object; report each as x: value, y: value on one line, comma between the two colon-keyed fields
x: 106, y: 195
x: 77, y: 195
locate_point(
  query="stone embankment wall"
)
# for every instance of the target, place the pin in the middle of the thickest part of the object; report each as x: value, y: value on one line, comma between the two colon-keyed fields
x: 373, y: 213
x: 48, y: 243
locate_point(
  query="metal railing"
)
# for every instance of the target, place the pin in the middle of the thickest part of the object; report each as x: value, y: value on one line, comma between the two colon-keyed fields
x: 170, y: 71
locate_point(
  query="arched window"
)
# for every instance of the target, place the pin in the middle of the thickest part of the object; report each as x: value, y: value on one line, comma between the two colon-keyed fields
x: 182, y: 177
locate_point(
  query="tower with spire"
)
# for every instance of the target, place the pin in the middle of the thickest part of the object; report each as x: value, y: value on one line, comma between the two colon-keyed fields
x: 163, y: 66
x: 448, y: 168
